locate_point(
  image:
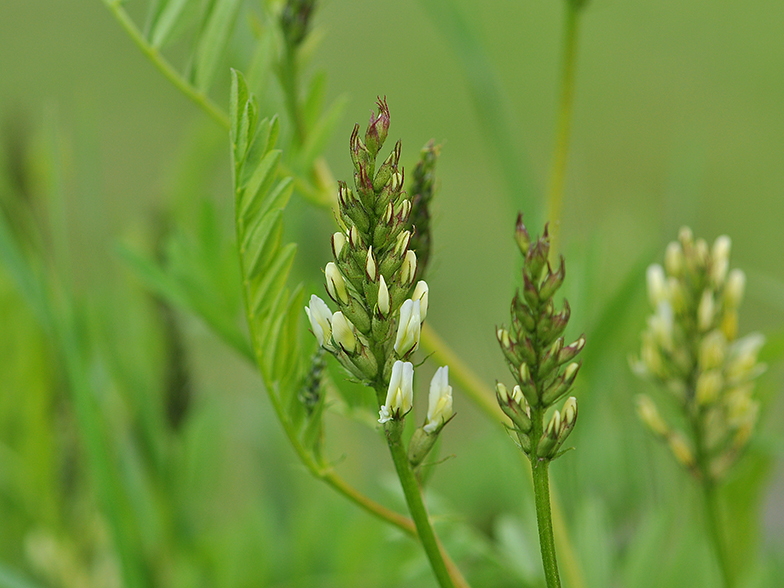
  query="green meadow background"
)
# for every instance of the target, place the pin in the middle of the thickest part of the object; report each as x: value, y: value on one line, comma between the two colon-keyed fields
x: 130, y: 433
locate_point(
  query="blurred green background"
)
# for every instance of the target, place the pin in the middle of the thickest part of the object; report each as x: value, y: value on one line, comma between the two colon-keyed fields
x: 678, y: 120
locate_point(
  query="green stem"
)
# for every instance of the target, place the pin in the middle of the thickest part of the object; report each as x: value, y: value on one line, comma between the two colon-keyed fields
x: 288, y: 79
x: 564, y: 122
x: 416, y: 506
x: 171, y: 74
x: 484, y: 398
x: 712, y: 514
x: 711, y: 501
x: 541, y: 476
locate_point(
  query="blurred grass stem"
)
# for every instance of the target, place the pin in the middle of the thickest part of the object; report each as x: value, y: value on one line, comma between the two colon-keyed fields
x: 564, y: 122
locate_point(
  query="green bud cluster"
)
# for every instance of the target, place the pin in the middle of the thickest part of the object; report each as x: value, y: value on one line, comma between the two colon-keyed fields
x: 534, y: 348
x: 372, y: 276
x: 295, y: 19
x: 422, y: 189
x: 690, y: 347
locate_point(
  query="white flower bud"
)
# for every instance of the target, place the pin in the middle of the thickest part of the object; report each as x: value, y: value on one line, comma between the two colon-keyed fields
x: 400, y: 395
x: 681, y: 450
x: 661, y: 325
x: 383, y: 297
x: 401, y: 244
x: 649, y: 415
x: 408, y: 269
x: 686, y: 237
x: 720, y: 259
x: 336, y: 285
x: 439, y: 406
x: 657, y: 285
x: 371, y: 270
x: 673, y: 259
x: 708, y: 388
x: 742, y: 363
x: 706, y: 311
x: 320, y: 318
x: 421, y: 294
x: 569, y: 411
x: 338, y: 242
x: 713, y: 349
x: 734, y: 288
x: 408, y: 328
x: 343, y: 332
x: 517, y: 396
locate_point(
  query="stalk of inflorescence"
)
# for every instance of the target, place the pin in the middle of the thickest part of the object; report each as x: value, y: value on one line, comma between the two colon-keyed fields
x: 543, y: 368
x: 373, y: 281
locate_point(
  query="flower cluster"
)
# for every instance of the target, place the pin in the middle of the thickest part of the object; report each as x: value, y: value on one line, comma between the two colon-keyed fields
x: 690, y: 346
x: 372, y: 280
x: 534, y: 348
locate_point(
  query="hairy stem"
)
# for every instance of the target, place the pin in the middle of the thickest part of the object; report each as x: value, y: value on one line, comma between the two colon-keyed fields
x: 564, y: 122
x: 416, y: 506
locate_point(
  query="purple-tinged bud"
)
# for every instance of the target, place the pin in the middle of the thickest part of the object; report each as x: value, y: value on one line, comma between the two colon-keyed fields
x: 530, y: 293
x: 387, y: 169
x: 514, y: 407
x: 536, y: 258
x: 378, y: 128
x: 386, y: 218
x: 527, y: 386
x: 522, y: 237
x: 570, y: 351
x: 553, y: 281
x: 560, y: 385
x: 359, y: 153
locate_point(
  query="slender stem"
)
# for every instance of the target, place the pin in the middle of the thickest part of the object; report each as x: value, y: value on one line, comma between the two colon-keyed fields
x: 564, y: 122
x: 171, y: 74
x: 711, y: 501
x: 484, y: 398
x: 416, y: 506
x: 541, y: 476
x: 713, y: 516
x: 288, y: 80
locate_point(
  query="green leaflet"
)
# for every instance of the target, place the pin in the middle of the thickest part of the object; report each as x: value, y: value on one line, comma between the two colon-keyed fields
x: 265, y: 262
x: 213, y: 41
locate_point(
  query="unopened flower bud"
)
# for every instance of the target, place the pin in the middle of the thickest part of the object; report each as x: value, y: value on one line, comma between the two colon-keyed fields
x: 522, y: 237
x: 338, y: 242
x: 354, y: 237
x: 681, y: 450
x: 408, y: 268
x: 439, y: 407
x: 400, y: 394
x: 378, y: 128
x: 383, y: 297
x: 371, y: 270
x: 742, y: 363
x: 686, y: 238
x: 713, y: 348
x: 733, y: 290
x: 421, y: 294
x: 701, y: 253
x: 336, y: 285
x: 649, y: 415
x: 401, y: 244
x: 343, y: 332
x: 408, y: 328
x: 657, y: 284
x: 706, y: 311
x: 720, y: 259
x: 673, y: 259
x: 708, y: 388
x: 320, y: 318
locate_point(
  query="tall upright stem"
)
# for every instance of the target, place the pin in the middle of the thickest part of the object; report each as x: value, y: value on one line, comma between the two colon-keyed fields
x: 564, y: 123
x: 416, y: 506
x: 544, y: 519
